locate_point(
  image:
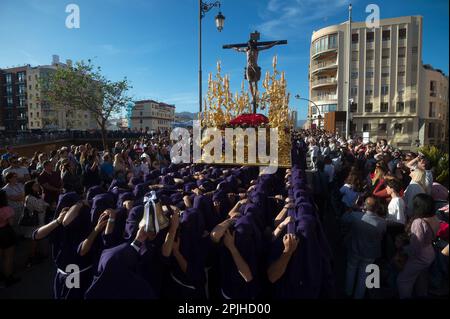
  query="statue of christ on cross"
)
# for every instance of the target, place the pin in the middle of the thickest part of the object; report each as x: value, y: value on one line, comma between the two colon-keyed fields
x: 253, y: 71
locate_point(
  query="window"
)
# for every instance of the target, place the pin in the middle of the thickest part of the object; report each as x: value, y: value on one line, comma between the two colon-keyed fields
x: 412, y: 106
x: 21, y: 76
x: 31, y: 124
x: 31, y: 105
x: 10, y: 101
x: 366, y: 127
x: 401, y: 52
x: 385, y: 72
x: 402, y: 33
x: 385, y: 53
x: 140, y: 121
x: 369, y: 54
x: 432, y: 110
x: 432, y: 86
x: 8, y: 78
x: 401, y: 73
x: 400, y: 107
x: 37, y: 114
x: 384, y: 90
x: 355, y: 55
x: 382, y: 128
x: 353, y: 91
x: 369, y: 73
x: 29, y: 87
x: 354, y: 75
x: 410, y: 127
x: 384, y: 107
x: 368, y: 108
x: 369, y: 91
x: 386, y: 35
x: 9, y: 90
x: 141, y: 113
x: 355, y: 38
x: 22, y: 89
x: 414, y: 50
x: 31, y: 114
x: 398, y: 128
x: 22, y: 101
x: 353, y: 107
x: 369, y: 36
x: 430, y: 130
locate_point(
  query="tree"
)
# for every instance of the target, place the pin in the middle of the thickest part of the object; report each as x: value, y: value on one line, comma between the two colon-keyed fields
x: 83, y: 87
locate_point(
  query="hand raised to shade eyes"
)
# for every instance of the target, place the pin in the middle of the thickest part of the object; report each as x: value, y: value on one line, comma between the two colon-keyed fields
x: 228, y: 239
x: 290, y: 242
x: 102, y: 221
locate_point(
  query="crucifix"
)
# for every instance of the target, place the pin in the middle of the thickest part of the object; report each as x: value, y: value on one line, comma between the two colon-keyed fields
x: 253, y: 71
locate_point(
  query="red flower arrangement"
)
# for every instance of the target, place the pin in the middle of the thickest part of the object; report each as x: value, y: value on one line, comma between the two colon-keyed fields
x: 249, y: 120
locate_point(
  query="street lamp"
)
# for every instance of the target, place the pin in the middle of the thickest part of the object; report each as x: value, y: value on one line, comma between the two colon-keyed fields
x: 220, y: 21
x: 319, y: 116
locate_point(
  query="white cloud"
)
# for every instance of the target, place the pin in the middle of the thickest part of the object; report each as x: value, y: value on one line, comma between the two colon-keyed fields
x: 285, y: 18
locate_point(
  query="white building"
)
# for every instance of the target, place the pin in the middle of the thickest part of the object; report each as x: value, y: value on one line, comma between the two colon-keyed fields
x: 152, y: 116
x: 385, y: 80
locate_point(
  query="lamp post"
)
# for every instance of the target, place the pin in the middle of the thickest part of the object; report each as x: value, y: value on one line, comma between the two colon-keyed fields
x: 347, y: 115
x: 319, y: 116
x: 220, y: 20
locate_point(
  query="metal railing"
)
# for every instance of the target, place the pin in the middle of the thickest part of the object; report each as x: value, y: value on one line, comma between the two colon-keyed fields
x: 323, y: 64
x: 324, y: 81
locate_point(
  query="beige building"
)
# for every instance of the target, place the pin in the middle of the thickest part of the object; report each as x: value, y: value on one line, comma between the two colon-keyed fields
x: 434, y: 113
x: 41, y: 115
x: 386, y: 75
x: 152, y: 116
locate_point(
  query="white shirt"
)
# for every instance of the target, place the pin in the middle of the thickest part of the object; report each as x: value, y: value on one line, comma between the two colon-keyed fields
x: 314, y: 150
x: 396, y: 210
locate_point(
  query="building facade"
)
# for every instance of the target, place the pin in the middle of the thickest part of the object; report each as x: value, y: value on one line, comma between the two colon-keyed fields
x: 22, y: 107
x: 149, y: 115
x: 384, y: 68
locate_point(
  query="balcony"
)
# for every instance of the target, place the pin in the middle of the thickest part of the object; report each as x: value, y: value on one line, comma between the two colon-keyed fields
x: 323, y: 65
x: 370, y: 63
x: 323, y: 82
x: 401, y: 61
x: 325, y: 97
x: 401, y: 42
x: 321, y: 51
x: 386, y: 44
x: 370, y: 45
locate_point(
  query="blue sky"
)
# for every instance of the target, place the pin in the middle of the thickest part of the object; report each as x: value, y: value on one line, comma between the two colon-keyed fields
x: 155, y: 42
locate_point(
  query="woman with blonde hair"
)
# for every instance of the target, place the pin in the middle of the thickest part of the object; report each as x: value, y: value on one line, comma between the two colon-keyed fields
x: 416, y: 186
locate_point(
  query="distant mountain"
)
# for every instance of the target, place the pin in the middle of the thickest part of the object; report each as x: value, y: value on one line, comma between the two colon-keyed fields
x: 187, y: 115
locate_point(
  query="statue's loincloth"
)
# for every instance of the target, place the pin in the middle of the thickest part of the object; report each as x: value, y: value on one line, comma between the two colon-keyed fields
x: 253, y: 74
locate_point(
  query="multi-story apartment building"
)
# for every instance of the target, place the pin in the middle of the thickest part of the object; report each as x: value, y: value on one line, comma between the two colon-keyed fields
x: 13, y: 99
x: 23, y: 108
x: 150, y: 115
x: 384, y: 68
x: 434, y: 113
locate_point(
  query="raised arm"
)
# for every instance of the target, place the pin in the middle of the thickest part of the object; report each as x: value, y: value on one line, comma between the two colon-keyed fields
x: 268, y: 46
x: 86, y: 245
x: 239, y: 261
x: 45, y: 230
x: 278, y: 268
x: 240, y: 49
